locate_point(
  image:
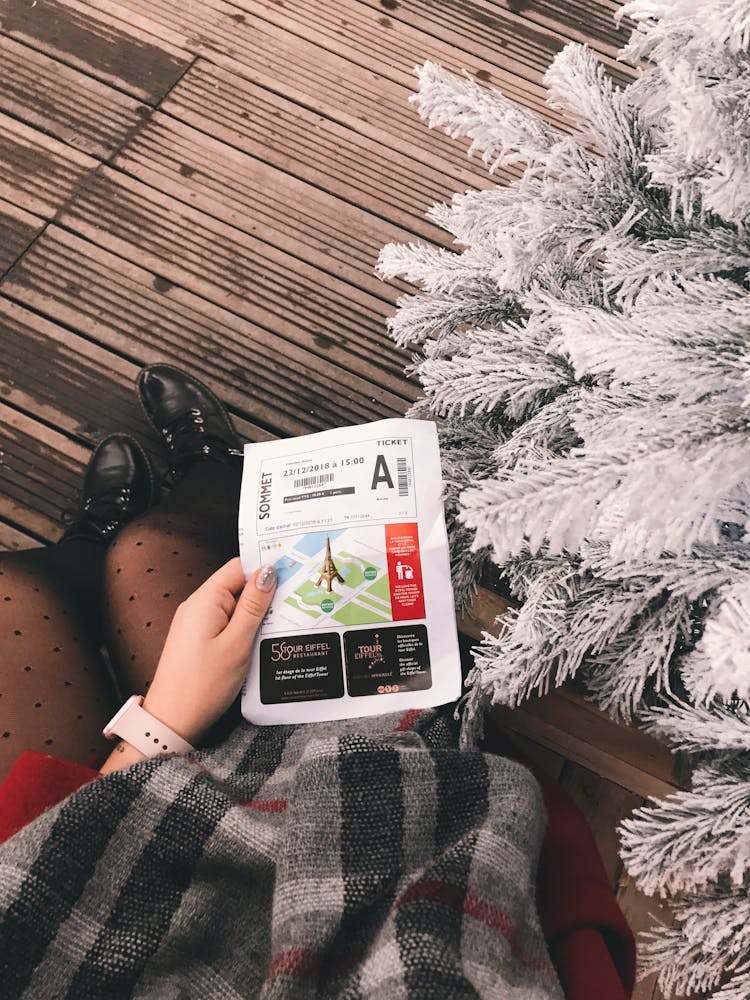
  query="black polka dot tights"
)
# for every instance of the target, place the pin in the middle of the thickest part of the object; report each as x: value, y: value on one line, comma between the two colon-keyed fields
x: 82, y: 627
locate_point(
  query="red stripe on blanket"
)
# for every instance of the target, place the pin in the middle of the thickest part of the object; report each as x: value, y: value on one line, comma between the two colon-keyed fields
x: 407, y: 720
x: 297, y: 962
x: 479, y: 909
x: 439, y: 892
x: 261, y: 805
x: 266, y: 805
x: 305, y: 964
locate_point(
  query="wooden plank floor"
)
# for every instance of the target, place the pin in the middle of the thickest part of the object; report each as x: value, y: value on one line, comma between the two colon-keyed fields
x: 209, y: 182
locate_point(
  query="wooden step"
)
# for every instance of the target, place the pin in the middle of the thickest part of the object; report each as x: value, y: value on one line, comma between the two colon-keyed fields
x: 186, y: 163
x: 42, y: 471
x: 12, y: 538
x: 79, y: 387
x: 237, y: 271
x: 339, y: 56
x: 360, y: 169
x: 19, y: 228
x: 391, y: 41
x: 527, y: 39
x: 591, y: 22
x: 64, y: 102
x: 276, y: 385
x: 94, y: 40
x: 38, y: 173
x: 605, y: 805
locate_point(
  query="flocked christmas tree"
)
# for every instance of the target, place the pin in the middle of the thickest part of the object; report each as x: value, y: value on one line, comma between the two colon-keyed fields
x: 587, y: 352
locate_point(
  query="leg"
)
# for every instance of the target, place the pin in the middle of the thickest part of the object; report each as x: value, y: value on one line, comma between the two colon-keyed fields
x: 55, y: 693
x: 159, y: 560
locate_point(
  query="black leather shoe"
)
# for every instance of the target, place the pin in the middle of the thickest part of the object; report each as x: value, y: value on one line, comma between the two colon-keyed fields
x: 191, y: 419
x: 118, y: 486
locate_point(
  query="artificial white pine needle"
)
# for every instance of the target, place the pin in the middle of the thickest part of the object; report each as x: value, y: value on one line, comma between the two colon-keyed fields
x: 585, y: 345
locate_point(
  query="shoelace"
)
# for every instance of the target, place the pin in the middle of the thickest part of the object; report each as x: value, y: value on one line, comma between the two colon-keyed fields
x: 177, y: 436
x: 188, y: 420
x: 105, y: 512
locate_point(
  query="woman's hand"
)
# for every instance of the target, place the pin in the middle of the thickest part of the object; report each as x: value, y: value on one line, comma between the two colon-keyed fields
x: 204, y: 661
x: 205, y: 658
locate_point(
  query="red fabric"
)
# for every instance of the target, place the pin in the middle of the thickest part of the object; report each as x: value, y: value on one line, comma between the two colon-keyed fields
x: 585, y: 968
x: 575, y: 899
x: 590, y: 943
x: 37, y: 782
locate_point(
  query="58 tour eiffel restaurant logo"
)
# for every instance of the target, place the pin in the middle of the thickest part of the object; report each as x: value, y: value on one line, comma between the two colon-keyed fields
x: 284, y: 651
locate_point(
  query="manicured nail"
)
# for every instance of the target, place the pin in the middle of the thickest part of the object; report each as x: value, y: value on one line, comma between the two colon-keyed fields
x: 266, y: 579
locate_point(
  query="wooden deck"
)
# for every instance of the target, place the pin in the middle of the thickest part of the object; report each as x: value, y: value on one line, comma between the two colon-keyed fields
x: 209, y: 183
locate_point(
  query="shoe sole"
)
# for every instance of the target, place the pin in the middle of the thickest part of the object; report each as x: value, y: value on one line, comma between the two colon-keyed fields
x: 220, y: 406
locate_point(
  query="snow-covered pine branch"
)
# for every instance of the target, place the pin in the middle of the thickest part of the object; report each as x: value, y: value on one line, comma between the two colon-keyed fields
x: 693, y: 838
x: 585, y: 345
x: 501, y: 131
x: 495, y: 367
x: 697, y: 91
x: 726, y: 643
x: 670, y: 481
x: 695, y: 727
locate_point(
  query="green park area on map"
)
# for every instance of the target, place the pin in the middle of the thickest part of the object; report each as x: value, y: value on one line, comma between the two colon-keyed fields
x: 356, y: 601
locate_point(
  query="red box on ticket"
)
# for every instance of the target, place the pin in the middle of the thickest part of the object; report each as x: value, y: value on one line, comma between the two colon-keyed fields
x: 404, y: 571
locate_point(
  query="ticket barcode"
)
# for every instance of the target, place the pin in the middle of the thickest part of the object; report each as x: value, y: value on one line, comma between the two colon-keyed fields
x: 402, y: 471
x: 308, y: 481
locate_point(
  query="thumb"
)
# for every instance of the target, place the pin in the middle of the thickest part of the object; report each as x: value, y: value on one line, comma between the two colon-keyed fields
x: 250, y: 609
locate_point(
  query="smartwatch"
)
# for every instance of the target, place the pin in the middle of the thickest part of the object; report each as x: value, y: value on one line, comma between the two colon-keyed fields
x: 141, y: 730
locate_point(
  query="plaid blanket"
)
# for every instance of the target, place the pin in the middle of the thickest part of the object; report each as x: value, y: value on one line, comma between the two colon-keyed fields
x: 363, y: 859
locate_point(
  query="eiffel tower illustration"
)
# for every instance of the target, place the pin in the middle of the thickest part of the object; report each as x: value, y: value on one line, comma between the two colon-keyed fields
x: 329, y: 573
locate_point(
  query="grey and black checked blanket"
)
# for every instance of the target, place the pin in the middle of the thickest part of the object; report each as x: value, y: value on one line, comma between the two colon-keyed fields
x: 364, y: 859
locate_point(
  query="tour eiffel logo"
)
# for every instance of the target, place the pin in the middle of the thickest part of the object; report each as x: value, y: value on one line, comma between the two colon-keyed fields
x: 372, y: 651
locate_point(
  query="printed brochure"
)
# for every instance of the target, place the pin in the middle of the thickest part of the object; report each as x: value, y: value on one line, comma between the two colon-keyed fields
x: 362, y: 622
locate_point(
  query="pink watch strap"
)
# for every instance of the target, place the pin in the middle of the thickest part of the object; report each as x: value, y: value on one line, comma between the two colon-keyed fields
x: 140, y: 729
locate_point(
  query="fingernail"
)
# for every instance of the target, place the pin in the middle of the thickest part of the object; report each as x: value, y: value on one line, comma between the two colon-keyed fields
x: 266, y: 579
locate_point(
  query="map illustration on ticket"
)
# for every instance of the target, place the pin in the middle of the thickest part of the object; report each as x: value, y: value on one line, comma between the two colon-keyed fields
x: 362, y: 621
